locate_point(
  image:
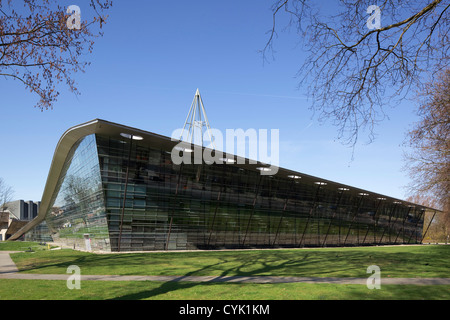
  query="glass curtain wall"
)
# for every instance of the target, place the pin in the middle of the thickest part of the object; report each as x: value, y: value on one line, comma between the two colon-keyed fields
x: 77, y: 215
x: 153, y: 204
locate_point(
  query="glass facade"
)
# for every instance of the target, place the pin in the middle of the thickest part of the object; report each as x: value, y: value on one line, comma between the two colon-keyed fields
x: 77, y: 216
x: 127, y: 195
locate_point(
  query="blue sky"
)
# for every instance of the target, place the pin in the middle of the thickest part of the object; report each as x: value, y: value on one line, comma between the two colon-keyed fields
x: 144, y: 73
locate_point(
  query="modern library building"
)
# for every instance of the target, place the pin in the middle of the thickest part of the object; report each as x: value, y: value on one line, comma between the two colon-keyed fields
x: 115, y: 188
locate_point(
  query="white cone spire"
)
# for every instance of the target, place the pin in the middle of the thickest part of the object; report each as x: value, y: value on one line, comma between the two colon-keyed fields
x: 196, y: 120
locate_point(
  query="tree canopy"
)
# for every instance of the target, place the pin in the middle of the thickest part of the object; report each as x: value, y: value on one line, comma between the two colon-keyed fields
x: 43, y: 44
x: 357, y: 66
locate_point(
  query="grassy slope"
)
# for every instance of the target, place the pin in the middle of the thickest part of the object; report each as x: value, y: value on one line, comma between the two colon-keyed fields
x: 407, y: 261
x: 399, y: 261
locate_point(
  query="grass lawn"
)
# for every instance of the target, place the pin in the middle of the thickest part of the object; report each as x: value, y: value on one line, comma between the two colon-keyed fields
x: 152, y: 290
x: 21, y: 246
x: 399, y: 261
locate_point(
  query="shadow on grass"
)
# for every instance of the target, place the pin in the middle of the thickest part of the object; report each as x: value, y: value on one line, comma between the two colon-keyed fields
x: 239, y: 270
x: 337, y: 263
x: 166, y: 287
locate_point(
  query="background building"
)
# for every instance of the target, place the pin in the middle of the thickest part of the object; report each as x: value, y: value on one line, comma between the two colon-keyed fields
x: 16, y: 214
x: 4, y: 223
x: 22, y: 210
x: 115, y: 188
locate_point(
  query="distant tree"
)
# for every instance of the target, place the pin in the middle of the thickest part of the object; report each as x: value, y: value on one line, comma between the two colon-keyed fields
x: 436, y: 224
x: 6, y: 194
x: 363, y: 58
x: 428, y: 162
x: 42, y: 44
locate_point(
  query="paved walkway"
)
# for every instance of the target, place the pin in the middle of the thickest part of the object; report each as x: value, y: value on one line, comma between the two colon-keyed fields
x: 6, y: 263
x: 8, y: 270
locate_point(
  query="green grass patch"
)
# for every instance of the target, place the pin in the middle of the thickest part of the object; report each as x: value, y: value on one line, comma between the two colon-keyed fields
x: 21, y: 246
x: 396, y: 261
x: 151, y: 290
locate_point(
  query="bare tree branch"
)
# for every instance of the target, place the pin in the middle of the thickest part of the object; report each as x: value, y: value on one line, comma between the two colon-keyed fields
x: 38, y: 49
x: 428, y: 162
x: 352, y: 73
x: 6, y: 193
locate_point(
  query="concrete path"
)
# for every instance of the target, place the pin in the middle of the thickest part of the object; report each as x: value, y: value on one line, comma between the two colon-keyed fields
x: 8, y: 270
x: 6, y: 263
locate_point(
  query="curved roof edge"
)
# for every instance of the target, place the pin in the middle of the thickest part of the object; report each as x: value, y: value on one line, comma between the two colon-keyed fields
x: 65, y: 143
x: 73, y: 134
